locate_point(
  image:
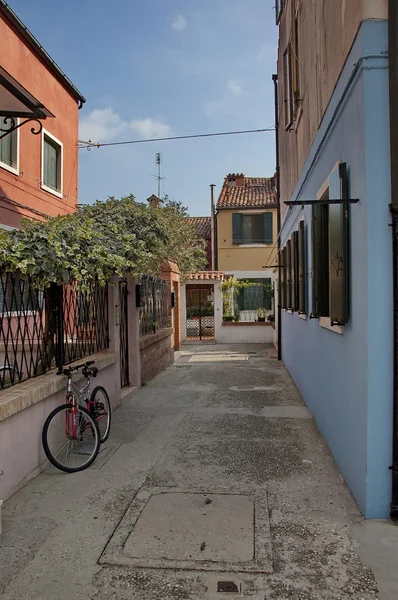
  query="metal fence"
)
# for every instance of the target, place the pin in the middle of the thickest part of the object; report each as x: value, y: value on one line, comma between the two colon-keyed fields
x: 41, y: 330
x: 155, y: 304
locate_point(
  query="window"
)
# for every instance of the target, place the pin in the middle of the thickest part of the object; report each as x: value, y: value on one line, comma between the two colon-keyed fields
x: 8, y: 148
x: 302, y: 271
x: 293, y: 273
x: 291, y: 72
x: 52, y: 165
x: 18, y: 296
x: 330, y: 251
x: 287, y: 78
x: 279, y: 4
x: 252, y: 228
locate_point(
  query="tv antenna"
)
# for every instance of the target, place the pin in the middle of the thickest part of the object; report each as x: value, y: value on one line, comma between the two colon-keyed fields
x: 158, y: 176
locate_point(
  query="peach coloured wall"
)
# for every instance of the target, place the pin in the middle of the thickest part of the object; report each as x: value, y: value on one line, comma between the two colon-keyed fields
x: 23, y: 64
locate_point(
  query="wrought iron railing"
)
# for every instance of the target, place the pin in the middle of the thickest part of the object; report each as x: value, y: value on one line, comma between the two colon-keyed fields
x: 41, y: 330
x: 155, y: 304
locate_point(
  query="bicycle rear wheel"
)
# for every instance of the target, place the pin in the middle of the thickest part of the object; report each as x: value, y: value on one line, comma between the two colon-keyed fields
x: 101, y: 407
x: 71, y: 438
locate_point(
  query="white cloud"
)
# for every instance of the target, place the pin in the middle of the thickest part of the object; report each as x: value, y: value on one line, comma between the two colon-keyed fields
x: 104, y: 124
x: 101, y: 124
x: 179, y: 23
x: 234, y: 88
x: 150, y: 128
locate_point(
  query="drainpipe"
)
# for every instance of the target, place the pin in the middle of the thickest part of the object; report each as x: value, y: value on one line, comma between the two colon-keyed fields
x: 278, y: 213
x: 212, y: 186
x: 393, y: 85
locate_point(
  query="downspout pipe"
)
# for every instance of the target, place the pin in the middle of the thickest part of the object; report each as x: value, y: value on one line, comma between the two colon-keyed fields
x: 393, y: 93
x: 278, y: 211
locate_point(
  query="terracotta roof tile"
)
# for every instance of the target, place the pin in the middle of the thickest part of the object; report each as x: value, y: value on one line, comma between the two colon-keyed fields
x: 206, y: 276
x: 256, y: 192
x: 202, y: 226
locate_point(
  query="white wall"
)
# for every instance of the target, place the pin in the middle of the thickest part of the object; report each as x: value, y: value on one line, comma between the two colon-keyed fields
x: 245, y: 334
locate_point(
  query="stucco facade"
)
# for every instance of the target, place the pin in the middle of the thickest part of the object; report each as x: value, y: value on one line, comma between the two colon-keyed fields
x: 344, y: 372
x: 243, y: 257
x: 21, y: 188
x: 326, y: 32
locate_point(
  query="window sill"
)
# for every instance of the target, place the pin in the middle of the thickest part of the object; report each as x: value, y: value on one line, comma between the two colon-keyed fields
x: 254, y: 245
x: 325, y: 323
x: 51, y: 191
x: 246, y: 324
x: 13, y: 170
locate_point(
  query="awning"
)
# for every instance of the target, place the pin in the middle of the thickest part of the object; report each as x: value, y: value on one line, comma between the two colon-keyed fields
x: 17, y: 102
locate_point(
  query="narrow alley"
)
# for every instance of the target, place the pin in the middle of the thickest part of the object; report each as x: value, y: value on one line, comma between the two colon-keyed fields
x: 214, y: 483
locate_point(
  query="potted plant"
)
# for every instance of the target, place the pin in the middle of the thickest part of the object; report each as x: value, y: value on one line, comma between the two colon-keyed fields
x: 228, y: 318
x: 261, y: 313
x: 271, y: 318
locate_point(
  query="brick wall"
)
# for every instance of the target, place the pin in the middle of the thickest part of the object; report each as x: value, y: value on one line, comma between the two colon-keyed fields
x: 157, y: 353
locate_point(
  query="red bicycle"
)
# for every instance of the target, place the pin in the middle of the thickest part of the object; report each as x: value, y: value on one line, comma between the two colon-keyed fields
x: 72, y: 433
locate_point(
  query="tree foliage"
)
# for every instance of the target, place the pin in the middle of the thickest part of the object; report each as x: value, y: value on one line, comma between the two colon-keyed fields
x: 120, y: 237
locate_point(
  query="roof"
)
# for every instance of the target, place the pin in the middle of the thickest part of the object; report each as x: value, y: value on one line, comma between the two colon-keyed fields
x: 202, y: 226
x: 30, y: 38
x: 256, y: 192
x: 206, y: 276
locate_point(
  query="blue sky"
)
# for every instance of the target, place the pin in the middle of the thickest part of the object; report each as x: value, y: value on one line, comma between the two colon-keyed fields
x: 165, y: 67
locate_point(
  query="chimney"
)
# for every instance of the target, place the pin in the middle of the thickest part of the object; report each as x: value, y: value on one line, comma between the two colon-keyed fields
x: 154, y: 201
x: 236, y: 179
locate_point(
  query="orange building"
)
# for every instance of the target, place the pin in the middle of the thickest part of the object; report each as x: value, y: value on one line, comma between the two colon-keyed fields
x: 38, y: 128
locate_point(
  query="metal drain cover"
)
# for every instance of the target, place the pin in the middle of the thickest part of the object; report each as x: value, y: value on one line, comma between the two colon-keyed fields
x: 193, y: 530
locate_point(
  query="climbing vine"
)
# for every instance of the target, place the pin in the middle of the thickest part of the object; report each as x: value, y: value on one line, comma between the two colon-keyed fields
x: 117, y: 236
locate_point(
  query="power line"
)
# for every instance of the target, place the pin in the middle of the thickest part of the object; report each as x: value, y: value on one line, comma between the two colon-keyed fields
x: 90, y: 144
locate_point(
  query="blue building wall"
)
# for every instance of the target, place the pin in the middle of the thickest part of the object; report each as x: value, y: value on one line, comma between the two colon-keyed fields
x: 346, y: 380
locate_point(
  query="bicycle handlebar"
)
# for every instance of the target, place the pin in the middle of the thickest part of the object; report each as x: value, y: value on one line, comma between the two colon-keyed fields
x: 77, y: 367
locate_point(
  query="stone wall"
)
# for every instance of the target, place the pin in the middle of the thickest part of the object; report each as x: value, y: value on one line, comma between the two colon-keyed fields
x: 157, y: 353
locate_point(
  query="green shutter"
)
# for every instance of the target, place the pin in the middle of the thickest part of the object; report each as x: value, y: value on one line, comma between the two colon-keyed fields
x: 338, y: 247
x: 282, y: 287
x: 320, y: 254
x: 50, y: 165
x: 268, y: 228
x: 289, y: 274
x: 237, y: 228
x: 294, y: 271
x: 302, y: 303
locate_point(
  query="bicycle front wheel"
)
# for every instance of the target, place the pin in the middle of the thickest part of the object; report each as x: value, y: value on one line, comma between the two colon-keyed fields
x: 101, y: 409
x: 71, y: 438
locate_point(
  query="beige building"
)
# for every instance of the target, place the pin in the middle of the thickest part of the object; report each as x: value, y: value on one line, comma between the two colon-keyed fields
x: 246, y: 226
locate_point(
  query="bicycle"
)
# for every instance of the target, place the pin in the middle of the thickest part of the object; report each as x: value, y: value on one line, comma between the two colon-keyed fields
x: 72, y: 433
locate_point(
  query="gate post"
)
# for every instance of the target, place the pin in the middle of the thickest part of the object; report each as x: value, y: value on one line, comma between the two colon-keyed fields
x: 171, y: 273
x: 133, y: 334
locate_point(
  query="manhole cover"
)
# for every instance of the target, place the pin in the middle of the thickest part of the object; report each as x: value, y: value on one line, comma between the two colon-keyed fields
x: 196, y: 527
x: 177, y: 529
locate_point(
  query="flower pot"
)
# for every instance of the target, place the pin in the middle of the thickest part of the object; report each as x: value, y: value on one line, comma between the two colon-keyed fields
x: 228, y: 318
x: 261, y: 319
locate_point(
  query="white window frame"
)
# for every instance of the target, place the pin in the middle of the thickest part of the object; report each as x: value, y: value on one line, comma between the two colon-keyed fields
x: 58, y: 193
x: 10, y: 168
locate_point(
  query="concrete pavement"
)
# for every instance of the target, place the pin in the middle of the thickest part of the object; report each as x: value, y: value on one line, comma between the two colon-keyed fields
x: 214, y: 483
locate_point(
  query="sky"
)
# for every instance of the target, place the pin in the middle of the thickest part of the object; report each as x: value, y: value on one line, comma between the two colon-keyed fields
x: 158, y: 68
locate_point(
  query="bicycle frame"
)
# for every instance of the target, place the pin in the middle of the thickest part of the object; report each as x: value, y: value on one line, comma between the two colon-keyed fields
x: 73, y: 391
